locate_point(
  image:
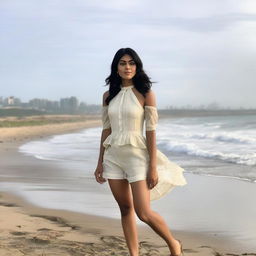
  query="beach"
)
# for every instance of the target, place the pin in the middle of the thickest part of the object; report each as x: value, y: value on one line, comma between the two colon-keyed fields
x: 27, y: 229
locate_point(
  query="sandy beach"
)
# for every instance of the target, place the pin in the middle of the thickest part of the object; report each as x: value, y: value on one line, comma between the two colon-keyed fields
x: 30, y: 230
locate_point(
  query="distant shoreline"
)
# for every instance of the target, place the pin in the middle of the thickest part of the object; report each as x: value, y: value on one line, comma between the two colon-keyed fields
x: 202, y: 112
x: 172, y: 112
x: 27, y: 133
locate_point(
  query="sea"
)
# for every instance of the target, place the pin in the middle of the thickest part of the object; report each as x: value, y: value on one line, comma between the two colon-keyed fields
x: 216, y: 145
x: 212, y: 150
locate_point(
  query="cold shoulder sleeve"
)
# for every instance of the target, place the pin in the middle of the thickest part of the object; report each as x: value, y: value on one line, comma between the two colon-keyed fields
x: 151, y: 118
x: 105, y: 118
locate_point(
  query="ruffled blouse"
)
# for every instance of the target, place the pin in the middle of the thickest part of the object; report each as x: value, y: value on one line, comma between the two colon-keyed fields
x: 126, y: 118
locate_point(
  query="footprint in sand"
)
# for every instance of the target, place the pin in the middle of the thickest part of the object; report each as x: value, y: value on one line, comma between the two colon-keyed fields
x: 18, y: 233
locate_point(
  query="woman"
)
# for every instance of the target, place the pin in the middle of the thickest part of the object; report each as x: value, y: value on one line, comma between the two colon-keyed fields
x: 136, y: 170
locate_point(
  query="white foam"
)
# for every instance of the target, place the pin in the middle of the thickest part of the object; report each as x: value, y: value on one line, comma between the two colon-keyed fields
x: 194, y: 150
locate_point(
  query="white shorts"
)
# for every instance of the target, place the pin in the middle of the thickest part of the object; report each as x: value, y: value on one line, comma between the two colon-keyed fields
x: 125, y: 162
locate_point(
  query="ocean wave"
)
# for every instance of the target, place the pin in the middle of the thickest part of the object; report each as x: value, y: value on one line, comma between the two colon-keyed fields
x: 223, y: 137
x: 194, y: 150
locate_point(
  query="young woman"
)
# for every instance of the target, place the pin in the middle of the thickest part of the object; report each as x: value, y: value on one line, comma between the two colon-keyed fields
x: 136, y: 170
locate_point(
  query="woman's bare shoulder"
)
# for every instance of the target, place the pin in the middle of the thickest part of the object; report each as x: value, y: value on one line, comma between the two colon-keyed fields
x: 105, y: 95
x: 150, y: 98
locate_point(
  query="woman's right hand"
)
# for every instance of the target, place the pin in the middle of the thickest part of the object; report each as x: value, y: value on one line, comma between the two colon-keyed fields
x: 99, y: 174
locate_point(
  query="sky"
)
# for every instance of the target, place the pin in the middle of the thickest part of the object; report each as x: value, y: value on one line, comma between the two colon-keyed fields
x: 198, y: 52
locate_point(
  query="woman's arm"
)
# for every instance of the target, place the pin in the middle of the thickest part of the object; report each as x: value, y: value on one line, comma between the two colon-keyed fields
x: 104, y: 134
x: 151, y: 119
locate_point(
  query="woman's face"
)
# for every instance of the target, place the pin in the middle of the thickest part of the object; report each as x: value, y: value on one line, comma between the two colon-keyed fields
x: 126, y: 67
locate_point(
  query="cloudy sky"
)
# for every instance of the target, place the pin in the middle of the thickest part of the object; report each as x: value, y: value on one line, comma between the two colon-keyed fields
x: 198, y: 51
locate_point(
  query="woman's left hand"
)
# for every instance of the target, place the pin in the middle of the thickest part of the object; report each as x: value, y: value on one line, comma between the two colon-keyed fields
x: 152, y: 177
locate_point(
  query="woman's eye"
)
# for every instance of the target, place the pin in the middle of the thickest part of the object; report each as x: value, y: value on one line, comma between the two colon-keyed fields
x: 130, y: 63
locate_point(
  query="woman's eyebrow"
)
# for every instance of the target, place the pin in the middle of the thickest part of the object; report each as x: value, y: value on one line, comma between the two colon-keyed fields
x: 126, y: 61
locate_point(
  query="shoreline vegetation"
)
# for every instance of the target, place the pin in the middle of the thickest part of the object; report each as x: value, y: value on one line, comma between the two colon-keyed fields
x: 14, y: 121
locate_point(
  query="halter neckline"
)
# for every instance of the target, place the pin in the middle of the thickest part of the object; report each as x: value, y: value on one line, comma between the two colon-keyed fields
x: 126, y: 87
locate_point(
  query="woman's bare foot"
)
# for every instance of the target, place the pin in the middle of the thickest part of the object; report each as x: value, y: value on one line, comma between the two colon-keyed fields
x: 176, y: 250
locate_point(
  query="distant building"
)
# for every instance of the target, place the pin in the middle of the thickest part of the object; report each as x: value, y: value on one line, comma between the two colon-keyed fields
x: 10, y: 100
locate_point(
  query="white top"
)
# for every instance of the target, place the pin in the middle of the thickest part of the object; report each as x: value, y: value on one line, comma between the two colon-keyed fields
x: 126, y: 117
x: 128, y: 127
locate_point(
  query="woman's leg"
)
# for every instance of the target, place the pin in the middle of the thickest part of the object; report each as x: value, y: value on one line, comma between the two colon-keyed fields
x: 122, y: 193
x: 141, y: 200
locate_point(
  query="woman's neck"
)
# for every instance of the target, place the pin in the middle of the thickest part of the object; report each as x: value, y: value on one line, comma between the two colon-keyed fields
x: 127, y: 83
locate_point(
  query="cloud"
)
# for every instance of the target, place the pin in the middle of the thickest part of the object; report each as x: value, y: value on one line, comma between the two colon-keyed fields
x: 60, y: 48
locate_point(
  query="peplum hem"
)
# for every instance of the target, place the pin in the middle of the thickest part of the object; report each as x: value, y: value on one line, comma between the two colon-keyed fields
x: 134, y: 138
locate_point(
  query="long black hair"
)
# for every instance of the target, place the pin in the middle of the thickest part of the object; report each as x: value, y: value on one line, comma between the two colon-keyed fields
x: 140, y: 81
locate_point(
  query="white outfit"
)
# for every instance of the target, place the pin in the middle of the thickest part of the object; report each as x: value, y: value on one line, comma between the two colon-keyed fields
x: 126, y: 155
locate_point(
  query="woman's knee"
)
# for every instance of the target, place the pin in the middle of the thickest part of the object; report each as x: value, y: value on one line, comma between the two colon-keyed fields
x: 125, y: 208
x: 122, y: 194
x: 143, y: 215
